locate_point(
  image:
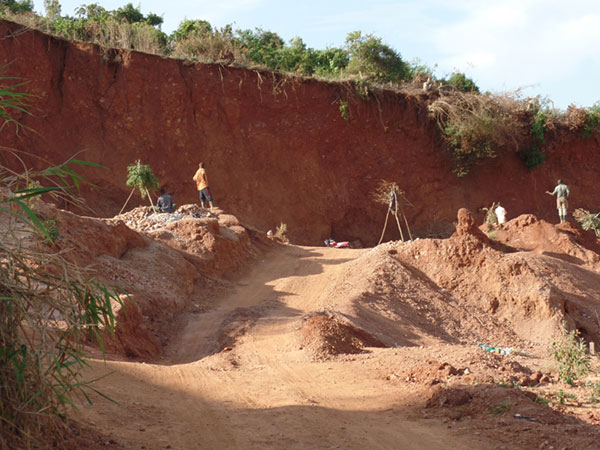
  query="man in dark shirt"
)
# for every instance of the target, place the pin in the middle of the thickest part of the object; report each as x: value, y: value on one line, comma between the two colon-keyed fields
x: 165, y: 202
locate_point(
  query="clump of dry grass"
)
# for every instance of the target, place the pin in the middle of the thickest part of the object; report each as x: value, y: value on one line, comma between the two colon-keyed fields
x: 478, y: 126
x: 588, y: 220
x: 209, y: 47
x: 389, y: 193
x: 280, y: 233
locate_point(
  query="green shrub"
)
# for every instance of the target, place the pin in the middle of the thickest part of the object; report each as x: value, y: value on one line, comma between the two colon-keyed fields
x: 592, y: 120
x: 206, y: 45
x: 477, y: 127
x: 372, y: 59
x: 533, y: 155
x: 570, y: 352
x: 17, y: 7
x: 469, y: 142
x: 460, y: 81
x: 344, y: 109
x: 12, y: 101
x: 141, y: 177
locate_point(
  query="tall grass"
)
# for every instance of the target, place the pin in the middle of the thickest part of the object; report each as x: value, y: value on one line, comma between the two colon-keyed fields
x: 209, y: 47
x: 12, y: 101
x: 49, y: 308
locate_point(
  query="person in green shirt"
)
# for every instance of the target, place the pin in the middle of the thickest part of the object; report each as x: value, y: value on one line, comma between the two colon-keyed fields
x: 562, y: 193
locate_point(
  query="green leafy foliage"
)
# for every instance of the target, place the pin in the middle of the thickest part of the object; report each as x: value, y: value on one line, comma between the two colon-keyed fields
x: 126, y: 27
x: 533, y: 155
x: 141, y: 177
x: 460, y: 81
x: 189, y: 28
x: 16, y: 6
x: 477, y: 127
x: 52, y: 8
x: 12, y: 100
x: 418, y: 68
x: 261, y: 46
x: 591, y: 121
x: 569, y: 351
x: 343, y: 107
x: 470, y: 142
x: 563, y: 396
x: 49, y: 308
x: 372, y: 59
x: 129, y: 14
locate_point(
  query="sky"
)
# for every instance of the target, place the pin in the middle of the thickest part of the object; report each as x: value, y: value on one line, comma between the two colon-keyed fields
x: 548, y: 48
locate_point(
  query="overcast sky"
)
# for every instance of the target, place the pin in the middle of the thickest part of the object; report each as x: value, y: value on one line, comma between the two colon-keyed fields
x: 548, y: 47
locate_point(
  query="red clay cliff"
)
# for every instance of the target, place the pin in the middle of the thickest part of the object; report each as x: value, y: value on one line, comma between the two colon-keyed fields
x: 276, y: 148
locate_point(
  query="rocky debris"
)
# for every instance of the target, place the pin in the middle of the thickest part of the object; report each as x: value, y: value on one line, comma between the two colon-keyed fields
x: 432, y: 372
x: 146, y: 218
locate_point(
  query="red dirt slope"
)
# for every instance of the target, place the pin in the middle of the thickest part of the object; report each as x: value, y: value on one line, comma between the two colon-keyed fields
x: 311, y: 347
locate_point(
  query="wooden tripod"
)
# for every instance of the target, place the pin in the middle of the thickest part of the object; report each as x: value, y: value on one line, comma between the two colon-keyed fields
x: 393, y: 207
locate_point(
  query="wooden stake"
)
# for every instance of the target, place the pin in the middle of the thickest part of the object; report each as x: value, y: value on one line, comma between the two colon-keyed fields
x: 407, y: 227
x: 127, y: 201
x: 384, y: 226
x: 396, y: 215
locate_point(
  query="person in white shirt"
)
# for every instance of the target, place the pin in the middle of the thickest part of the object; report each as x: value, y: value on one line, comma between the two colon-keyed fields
x: 500, y: 213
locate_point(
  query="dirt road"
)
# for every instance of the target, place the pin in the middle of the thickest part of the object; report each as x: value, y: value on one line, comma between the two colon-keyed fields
x: 237, y: 376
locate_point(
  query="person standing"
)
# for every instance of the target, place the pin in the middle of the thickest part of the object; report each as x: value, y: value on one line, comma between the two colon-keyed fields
x: 562, y: 193
x: 202, y: 185
x: 500, y: 213
x: 165, y: 202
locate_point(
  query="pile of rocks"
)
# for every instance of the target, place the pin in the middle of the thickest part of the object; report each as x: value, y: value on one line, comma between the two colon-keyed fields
x: 146, y: 218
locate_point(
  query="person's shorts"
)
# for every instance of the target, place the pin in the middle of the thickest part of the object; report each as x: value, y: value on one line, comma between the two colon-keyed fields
x: 205, y: 195
x: 562, y: 203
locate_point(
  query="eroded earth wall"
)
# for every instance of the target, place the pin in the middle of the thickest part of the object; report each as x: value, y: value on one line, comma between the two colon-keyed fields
x: 277, y: 149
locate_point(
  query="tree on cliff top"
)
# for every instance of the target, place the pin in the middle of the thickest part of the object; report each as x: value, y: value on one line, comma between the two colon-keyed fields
x: 17, y: 7
x: 373, y: 59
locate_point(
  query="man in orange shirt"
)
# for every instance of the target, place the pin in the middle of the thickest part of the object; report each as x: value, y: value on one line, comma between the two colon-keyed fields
x: 202, y: 185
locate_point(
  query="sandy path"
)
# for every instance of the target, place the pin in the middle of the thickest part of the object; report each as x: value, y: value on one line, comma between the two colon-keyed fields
x: 264, y: 392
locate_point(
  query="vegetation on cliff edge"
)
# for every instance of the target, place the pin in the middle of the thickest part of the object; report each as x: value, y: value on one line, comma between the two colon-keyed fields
x: 474, y: 125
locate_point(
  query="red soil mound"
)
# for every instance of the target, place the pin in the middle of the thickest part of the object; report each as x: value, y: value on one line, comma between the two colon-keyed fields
x: 166, y: 265
x: 325, y: 336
